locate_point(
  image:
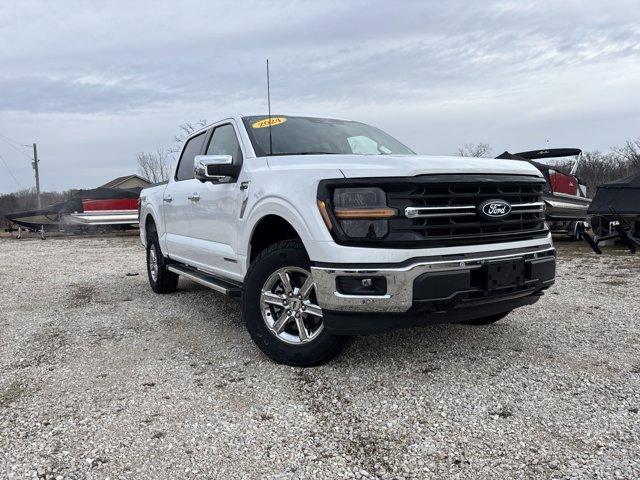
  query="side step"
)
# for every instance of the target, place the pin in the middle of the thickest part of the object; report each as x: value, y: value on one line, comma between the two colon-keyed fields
x: 214, y: 283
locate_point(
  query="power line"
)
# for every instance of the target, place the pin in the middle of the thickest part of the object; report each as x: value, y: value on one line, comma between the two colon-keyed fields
x: 10, y: 172
x: 14, y: 145
x: 8, y: 139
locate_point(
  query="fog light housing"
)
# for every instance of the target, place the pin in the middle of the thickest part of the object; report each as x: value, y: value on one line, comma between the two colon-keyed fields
x: 361, y: 285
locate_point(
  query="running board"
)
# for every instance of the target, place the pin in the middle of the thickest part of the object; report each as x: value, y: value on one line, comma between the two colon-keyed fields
x: 202, y: 278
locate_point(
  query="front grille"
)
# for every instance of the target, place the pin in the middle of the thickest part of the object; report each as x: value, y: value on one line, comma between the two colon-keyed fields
x: 444, y: 210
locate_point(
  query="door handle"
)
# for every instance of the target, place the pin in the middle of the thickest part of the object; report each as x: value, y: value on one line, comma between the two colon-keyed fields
x: 194, y: 198
x: 167, y: 199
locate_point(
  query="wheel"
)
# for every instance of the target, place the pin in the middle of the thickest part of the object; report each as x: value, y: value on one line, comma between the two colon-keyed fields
x: 487, y: 320
x: 599, y: 226
x: 576, y: 233
x: 160, y: 279
x: 281, y: 311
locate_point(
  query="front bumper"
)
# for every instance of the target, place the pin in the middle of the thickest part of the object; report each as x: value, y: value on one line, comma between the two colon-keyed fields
x: 435, y: 287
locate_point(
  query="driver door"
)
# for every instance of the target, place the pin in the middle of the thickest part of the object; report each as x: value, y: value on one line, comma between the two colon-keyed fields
x: 215, y: 217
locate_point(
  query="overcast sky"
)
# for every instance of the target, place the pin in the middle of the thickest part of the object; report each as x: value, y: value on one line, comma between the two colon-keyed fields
x: 93, y: 83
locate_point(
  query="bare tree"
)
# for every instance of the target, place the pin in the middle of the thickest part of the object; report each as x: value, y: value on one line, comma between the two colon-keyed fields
x: 184, y: 130
x: 597, y: 168
x: 155, y: 166
x: 475, y: 150
x: 630, y: 154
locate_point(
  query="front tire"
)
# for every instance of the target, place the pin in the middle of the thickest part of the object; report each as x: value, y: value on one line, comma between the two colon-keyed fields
x: 160, y: 279
x: 280, y: 308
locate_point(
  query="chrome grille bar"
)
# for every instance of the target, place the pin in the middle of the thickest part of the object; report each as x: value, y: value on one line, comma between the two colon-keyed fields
x: 466, y: 210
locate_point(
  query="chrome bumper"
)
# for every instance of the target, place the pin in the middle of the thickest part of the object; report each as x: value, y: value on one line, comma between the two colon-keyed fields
x: 400, y: 279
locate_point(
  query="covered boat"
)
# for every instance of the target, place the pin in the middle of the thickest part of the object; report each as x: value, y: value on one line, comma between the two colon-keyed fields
x: 565, y: 198
x: 615, y: 209
x: 95, y: 207
x: 620, y: 196
x: 47, y: 218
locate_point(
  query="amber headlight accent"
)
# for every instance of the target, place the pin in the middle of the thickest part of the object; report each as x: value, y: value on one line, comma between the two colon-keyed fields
x: 324, y: 214
x: 353, y: 213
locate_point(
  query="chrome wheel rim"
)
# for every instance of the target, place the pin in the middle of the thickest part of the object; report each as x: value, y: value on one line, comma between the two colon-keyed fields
x: 153, y: 263
x: 289, y: 306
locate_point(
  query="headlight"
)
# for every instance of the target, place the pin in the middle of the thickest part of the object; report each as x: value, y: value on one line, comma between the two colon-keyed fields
x: 362, y: 212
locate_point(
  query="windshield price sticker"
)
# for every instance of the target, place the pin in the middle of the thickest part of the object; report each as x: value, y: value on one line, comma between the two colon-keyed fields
x: 273, y: 121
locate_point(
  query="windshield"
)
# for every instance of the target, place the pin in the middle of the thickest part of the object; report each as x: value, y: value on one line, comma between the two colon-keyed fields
x: 560, y: 162
x: 311, y: 136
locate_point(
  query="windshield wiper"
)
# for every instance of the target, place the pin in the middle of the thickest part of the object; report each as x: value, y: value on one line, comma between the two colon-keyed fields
x: 303, y: 153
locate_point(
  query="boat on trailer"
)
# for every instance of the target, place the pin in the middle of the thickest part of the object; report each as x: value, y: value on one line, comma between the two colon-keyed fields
x: 98, y: 207
x: 617, y: 205
x: 47, y: 218
x: 565, y: 197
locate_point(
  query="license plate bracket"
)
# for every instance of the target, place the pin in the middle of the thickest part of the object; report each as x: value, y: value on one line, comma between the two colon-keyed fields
x: 502, y: 274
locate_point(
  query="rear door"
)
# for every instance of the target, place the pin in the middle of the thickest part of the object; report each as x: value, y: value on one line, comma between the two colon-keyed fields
x: 178, y: 201
x: 215, y: 217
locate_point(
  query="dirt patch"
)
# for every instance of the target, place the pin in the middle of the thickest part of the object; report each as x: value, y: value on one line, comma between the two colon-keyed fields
x: 80, y: 295
x: 12, y: 392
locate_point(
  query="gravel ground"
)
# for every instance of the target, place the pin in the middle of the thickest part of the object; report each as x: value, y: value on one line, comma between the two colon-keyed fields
x: 101, y: 378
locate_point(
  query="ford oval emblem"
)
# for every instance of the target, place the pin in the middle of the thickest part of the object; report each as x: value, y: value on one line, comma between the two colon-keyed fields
x: 494, y: 209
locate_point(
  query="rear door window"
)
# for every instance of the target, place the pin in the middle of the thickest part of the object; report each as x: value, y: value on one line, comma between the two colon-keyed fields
x: 191, y: 149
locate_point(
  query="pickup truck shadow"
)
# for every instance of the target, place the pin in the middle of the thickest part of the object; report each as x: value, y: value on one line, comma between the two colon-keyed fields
x: 433, y: 343
x: 423, y: 343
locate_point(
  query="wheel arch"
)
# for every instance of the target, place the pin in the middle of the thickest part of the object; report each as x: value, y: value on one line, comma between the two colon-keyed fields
x: 268, y: 208
x: 267, y: 230
x: 150, y: 223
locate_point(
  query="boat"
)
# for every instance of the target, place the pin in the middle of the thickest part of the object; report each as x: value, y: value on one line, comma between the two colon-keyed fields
x: 47, y: 218
x: 616, y: 209
x: 566, y: 201
x: 86, y: 208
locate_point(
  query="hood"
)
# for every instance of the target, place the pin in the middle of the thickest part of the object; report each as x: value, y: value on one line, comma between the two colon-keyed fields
x: 362, y: 166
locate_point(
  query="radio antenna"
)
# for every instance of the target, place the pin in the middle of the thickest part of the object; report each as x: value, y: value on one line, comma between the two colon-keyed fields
x: 269, y: 107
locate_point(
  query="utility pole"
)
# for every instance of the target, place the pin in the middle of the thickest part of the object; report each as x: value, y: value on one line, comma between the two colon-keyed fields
x: 34, y: 164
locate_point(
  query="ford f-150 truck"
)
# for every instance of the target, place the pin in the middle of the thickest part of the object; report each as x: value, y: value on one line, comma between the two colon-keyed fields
x: 327, y: 228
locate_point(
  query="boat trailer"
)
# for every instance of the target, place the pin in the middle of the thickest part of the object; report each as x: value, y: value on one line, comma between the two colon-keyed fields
x: 620, y: 229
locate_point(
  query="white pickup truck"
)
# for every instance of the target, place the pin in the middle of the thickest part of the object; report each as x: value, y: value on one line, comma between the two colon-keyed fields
x: 328, y: 228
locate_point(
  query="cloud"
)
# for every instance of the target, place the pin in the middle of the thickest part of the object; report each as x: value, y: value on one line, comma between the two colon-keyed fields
x: 486, y: 69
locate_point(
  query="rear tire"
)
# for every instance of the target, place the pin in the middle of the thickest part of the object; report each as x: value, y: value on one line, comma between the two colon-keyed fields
x: 487, y: 320
x: 278, y: 302
x: 161, y: 280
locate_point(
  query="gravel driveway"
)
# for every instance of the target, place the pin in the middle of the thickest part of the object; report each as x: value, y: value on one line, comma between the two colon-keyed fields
x: 101, y: 378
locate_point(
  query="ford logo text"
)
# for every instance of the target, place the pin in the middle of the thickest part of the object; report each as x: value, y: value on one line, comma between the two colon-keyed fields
x: 495, y: 209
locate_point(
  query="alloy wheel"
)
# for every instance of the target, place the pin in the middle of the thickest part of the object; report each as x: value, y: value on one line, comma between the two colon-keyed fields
x: 289, y: 306
x: 153, y: 263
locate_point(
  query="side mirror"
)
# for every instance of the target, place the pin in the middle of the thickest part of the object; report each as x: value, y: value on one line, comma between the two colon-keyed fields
x: 215, y: 168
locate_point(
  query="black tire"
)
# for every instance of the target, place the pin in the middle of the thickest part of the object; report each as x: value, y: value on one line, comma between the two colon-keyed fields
x: 576, y: 234
x: 165, y: 281
x: 599, y: 226
x: 319, y: 350
x: 486, y: 320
